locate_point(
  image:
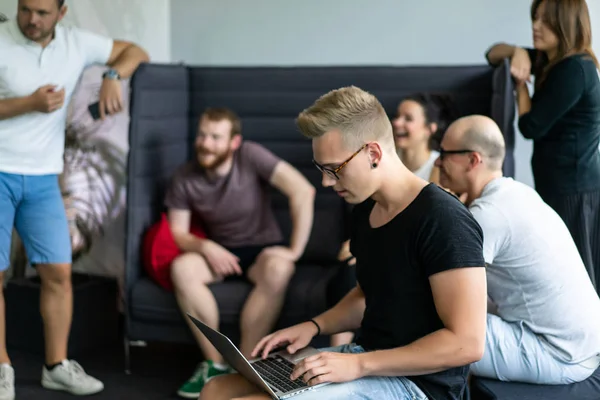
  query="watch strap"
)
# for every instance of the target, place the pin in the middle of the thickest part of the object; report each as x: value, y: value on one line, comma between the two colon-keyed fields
x: 111, y: 74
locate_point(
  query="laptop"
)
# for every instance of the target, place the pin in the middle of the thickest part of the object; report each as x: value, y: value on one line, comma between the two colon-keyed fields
x: 271, y: 374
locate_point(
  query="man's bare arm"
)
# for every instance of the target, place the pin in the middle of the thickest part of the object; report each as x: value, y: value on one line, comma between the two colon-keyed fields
x: 344, y: 316
x: 126, y: 57
x: 301, y: 195
x: 460, y: 297
x: 179, y: 222
x: 10, y: 108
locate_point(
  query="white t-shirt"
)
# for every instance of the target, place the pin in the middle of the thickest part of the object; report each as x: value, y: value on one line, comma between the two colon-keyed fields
x: 535, y: 273
x: 33, y: 144
x: 424, y: 171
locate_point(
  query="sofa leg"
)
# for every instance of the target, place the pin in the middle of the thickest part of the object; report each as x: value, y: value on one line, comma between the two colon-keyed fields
x: 127, y: 348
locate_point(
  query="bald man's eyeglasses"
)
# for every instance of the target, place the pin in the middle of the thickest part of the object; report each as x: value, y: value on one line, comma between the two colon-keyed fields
x: 443, y: 152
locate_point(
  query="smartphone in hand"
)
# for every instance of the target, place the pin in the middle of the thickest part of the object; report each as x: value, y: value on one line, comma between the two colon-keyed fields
x: 94, y: 110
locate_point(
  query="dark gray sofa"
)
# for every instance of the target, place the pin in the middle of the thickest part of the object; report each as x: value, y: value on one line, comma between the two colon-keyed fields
x: 165, y: 103
x: 490, y: 389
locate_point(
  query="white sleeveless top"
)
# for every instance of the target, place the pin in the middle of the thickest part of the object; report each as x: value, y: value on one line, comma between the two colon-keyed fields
x: 424, y: 171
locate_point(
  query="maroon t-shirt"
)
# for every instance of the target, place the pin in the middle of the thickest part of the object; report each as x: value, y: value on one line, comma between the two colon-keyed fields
x: 235, y: 210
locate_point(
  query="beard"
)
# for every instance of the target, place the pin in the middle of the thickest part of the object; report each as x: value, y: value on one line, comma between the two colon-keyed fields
x: 210, y: 160
x: 36, y: 34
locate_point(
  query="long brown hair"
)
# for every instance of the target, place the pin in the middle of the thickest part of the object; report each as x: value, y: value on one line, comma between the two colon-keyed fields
x: 569, y: 20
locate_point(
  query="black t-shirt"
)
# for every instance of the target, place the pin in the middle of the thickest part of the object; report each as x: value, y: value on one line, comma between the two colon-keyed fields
x: 564, y: 123
x: 435, y: 233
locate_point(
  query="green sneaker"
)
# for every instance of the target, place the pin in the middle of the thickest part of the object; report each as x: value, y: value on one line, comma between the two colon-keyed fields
x: 205, y: 372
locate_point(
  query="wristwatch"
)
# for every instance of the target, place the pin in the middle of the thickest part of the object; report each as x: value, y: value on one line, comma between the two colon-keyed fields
x: 111, y: 74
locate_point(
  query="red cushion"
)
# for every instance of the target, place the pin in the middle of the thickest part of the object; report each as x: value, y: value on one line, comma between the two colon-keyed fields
x: 160, y: 250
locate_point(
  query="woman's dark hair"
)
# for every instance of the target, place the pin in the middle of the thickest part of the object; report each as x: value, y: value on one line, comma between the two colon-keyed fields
x: 569, y: 20
x: 61, y: 3
x: 438, y: 108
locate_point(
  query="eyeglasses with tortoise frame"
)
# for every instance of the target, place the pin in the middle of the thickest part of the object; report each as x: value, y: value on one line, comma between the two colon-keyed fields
x: 333, y: 172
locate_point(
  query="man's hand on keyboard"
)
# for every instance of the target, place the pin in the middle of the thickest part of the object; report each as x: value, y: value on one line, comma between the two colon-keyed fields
x: 328, y: 367
x: 297, y: 337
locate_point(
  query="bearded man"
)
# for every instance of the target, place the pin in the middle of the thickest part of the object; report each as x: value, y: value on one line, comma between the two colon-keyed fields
x: 227, y: 186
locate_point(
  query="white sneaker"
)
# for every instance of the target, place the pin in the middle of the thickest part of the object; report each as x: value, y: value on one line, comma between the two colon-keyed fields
x: 70, y: 377
x: 7, y: 382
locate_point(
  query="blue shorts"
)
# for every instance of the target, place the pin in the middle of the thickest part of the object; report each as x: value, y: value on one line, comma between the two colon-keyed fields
x: 33, y: 204
x: 368, y: 388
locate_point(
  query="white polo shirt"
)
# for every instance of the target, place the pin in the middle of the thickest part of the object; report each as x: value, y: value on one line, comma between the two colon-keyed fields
x: 33, y: 144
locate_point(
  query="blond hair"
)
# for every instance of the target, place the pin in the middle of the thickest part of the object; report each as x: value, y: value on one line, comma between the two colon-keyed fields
x: 357, y: 114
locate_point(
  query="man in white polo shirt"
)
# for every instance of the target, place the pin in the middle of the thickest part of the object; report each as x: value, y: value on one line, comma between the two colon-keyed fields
x: 40, y: 64
x: 542, y: 325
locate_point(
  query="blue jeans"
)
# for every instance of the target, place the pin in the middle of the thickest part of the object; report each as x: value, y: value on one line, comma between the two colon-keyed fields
x: 369, y: 388
x: 33, y: 205
x: 514, y: 353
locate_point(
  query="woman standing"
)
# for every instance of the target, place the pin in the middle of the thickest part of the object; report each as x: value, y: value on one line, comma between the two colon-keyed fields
x: 563, y: 117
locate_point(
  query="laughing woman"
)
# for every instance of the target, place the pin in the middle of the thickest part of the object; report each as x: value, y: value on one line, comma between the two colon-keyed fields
x: 563, y: 117
x: 419, y: 125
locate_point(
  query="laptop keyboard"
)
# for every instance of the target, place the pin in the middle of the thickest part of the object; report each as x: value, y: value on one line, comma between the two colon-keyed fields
x: 276, y: 372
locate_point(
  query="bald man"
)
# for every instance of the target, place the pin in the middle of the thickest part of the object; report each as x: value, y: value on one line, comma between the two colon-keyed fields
x: 543, y: 323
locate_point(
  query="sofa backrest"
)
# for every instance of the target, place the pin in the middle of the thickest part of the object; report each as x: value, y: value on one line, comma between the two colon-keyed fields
x: 167, y: 100
x: 503, y: 112
x: 158, y: 144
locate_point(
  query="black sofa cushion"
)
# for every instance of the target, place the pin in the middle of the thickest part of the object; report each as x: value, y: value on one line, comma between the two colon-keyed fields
x: 490, y: 389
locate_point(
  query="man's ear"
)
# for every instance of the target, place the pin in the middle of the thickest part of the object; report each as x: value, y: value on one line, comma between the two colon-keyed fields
x: 375, y: 153
x: 62, y: 12
x: 475, y: 159
x: 236, y: 142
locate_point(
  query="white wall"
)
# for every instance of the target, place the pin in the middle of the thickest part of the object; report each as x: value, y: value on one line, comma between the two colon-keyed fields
x: 317, y: 32
x: 145, y: 22
x: 8, y: 8
x: 352, y: 32
x: 594, y: 6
